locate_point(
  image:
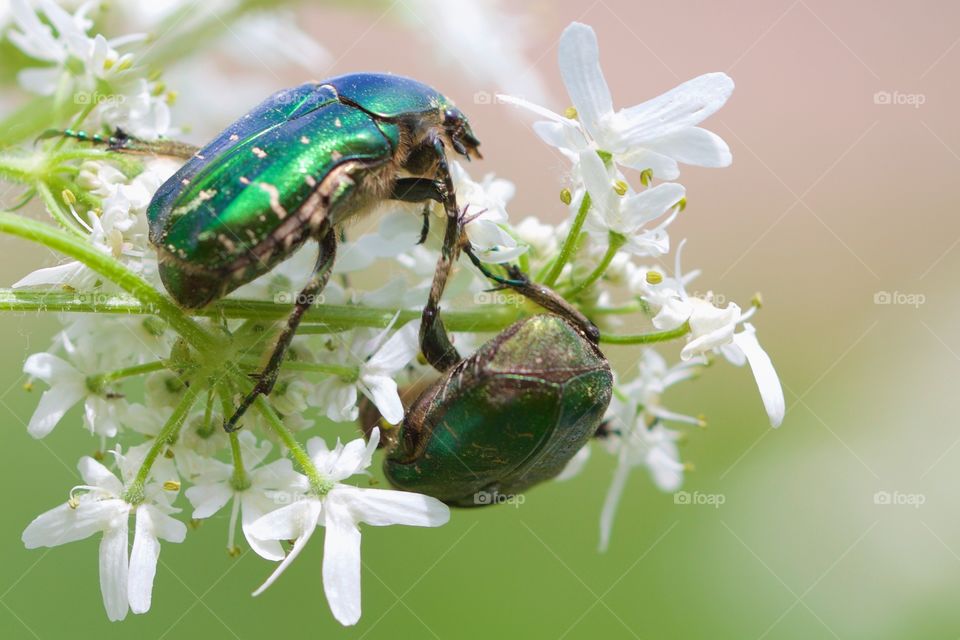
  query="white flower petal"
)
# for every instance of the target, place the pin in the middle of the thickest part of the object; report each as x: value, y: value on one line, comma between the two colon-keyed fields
x: 143, y: 561
x: 694, y: 146
x: 767, y: 380
x: 65, y: 524
x: 286, y: 523
x: 341, y: 563
x: 612, y: 501
x: 54, y: 403
x: 579, y: 57
x: 207, y: 499
x: 253, y: 507
x: 382, y: 392
x: 382, y: 507
x: 113, y: 571
x: 652, y: 203
x: 95, y: 474
x: 310, y: 514
x: 68, y: 273
x: 396, y: 352
x: 683, y: 106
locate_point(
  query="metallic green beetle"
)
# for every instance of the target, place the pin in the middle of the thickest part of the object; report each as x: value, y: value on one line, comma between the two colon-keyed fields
x: 293, y: 169
x: 506, y: 418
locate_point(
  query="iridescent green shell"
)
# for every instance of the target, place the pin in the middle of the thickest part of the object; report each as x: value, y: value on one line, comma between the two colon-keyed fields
x: 510, y: 416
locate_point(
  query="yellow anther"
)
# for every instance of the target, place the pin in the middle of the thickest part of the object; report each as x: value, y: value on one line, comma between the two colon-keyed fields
x: 570, y: 112
x: 68, y: 197
x: 171, y: 485
x: 646, y: 177
x: 621, y: 187
x: 654, y: 277
x: 565, y: 196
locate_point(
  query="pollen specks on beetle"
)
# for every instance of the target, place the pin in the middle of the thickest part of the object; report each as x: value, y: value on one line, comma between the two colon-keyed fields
x: 244, y: 180
x: 304, y: 140
x: 185, y: 182
x: 337, y: 123
x: 234, y: 137
x: 227, y: 243
x: 206, y: 194
x: 311, y: 181
x: 260, y: 153
x: 336, y: 155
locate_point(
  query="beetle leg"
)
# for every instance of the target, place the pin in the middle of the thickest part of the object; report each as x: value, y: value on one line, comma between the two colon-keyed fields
x: 420, y: 190
x: 539, y: 294
x: 120, y: 140
x: 434, y: 341
x: 318, y: 280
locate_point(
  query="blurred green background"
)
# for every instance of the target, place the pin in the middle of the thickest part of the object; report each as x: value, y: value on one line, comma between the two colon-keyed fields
x: 836, y: 194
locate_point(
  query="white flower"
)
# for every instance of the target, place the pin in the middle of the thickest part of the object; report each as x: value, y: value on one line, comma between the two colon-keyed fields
x: 713, y: 329
x: 540, y: 236
x: 213, y: 487
x: 746, y: 348
x: 340, y: 509
x: 126, y: 579
x: 484, y: 204
x: 655, y: 135
x: 638, y: 440
x: 141, y: 113
x: 380, y: 359
x: 97, y: 56
x: 628, y: 214
x: 69, y: 385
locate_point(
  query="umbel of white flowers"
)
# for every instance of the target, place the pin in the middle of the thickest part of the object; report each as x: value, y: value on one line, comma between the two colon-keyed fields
x: 622, y: 193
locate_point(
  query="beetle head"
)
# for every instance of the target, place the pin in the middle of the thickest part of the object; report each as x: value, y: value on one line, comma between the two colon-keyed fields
x: 458, y: 130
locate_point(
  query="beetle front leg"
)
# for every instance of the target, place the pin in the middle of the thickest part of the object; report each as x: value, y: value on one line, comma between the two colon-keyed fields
x: 434, y: 340
x: 121, y: 141
x: 318, y: 280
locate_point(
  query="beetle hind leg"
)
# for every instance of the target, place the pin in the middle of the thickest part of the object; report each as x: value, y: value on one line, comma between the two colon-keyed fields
x: 121, y: 141
x: 540, y: 294
x: 318, y: 280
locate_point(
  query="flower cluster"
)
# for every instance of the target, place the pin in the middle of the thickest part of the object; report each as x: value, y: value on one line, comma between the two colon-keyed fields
x: 156, y: 386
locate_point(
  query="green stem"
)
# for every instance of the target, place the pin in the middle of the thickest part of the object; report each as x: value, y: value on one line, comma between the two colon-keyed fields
x: 318, y: 484
x: 135, y: 492
x: 239, y: 480
x: 325, y: 318
x: 101, y: 380
x: 570, y: 243
x: 616, y: 241
x: 647, y: 338
x: 150, y: 300
x: 346, y: 373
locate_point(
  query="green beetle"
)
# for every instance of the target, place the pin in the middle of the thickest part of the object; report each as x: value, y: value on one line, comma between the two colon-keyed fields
x: 294, y: 169
x: 509, y: 416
